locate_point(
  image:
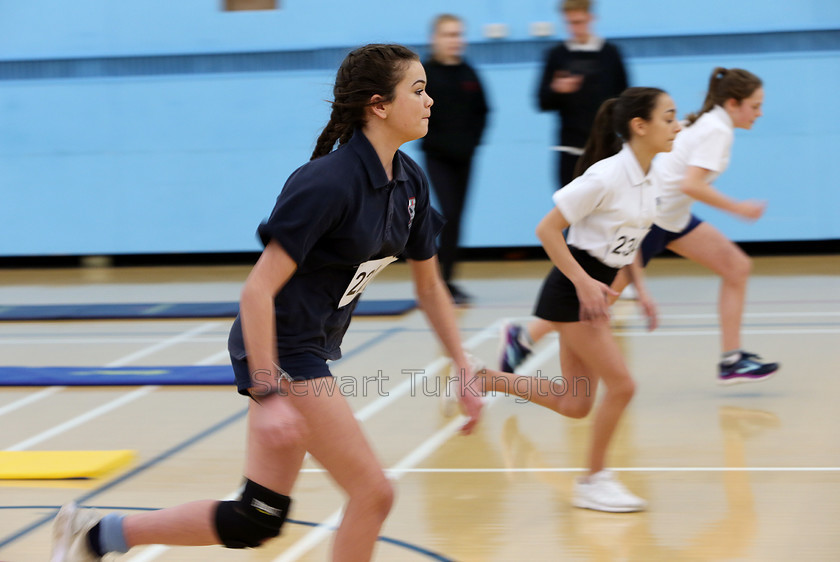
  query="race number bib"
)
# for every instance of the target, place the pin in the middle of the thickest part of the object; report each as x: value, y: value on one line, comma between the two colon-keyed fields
x: 622, y: 249
x: 364, y: 274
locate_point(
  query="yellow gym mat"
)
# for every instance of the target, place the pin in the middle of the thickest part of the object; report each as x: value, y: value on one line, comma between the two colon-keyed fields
x: 54, y: 465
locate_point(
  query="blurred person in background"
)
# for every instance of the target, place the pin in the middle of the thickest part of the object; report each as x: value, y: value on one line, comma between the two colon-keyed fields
x: 455, y: 130
x: 578, y: 75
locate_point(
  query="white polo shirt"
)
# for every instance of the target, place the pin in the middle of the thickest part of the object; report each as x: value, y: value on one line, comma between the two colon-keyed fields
x: 705, y: 144
x: 610, y: 208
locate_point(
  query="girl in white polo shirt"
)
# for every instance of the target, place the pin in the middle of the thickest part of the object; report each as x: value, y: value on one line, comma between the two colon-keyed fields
x: 701, y: 153
x: 608, y: 210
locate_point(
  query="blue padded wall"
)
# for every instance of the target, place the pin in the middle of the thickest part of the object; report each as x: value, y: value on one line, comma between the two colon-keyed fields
x: 158, y: 127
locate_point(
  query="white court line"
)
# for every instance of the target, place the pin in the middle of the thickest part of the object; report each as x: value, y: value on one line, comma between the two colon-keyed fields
x: 79, y: 420
x: 98, y: 339
x: 757, y: 314
x: 416, y: 456
x: 311, y: 539
x: 153, y: 551
x: 619, y: 469
x: 150, y: 552
x: 664, y: 332
x: 17, y: 404
x: 325, y: 527
x: 207, y: 326
x: 215, y: 358
x: 107, y: 407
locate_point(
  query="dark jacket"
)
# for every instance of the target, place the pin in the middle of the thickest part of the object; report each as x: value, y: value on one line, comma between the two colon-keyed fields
x: 604, y: 78
x: 459, y: 113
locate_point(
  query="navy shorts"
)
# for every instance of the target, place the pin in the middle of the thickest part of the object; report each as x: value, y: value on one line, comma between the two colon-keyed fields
x: 657, y: 239
x: 300, y: 367
x: 558, y: 300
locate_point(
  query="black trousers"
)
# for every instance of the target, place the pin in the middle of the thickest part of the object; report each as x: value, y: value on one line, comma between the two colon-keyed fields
x: 565, y: 169
x: 449, y: 178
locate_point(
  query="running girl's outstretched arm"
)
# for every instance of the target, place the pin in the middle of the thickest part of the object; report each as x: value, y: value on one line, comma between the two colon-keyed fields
x: 592, y: 294
x: 436, y: 303
x: 696, y: 186
x: 635, y: 271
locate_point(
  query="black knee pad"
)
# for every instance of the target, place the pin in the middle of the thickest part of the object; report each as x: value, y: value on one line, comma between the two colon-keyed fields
x: 254, y: 518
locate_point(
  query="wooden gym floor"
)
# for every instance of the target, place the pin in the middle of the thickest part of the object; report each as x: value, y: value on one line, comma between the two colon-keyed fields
x: 748, y: 472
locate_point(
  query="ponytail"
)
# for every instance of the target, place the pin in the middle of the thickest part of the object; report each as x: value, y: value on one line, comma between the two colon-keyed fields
x: 724, y: 84
x: 612, y: 124
x: 708, y: 103
x: 603, y: 141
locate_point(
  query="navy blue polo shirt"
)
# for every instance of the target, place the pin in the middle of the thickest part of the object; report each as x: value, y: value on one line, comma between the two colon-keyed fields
x: 335, y: 213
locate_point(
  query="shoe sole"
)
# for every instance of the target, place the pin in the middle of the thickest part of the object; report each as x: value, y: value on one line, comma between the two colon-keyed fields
x: 608, y: 508
x: 63, y: 521
x: 742, y: 380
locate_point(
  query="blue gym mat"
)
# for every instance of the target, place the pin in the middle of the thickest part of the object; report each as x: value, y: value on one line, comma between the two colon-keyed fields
x: 386, y: 307
x: 107, y: 376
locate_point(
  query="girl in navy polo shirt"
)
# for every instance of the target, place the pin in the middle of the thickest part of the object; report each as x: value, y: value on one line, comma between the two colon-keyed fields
x: 337, y: 222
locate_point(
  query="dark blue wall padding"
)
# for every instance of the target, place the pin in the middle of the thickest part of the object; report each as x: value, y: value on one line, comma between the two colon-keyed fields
x: 169, y: 310
x: 107, y: 376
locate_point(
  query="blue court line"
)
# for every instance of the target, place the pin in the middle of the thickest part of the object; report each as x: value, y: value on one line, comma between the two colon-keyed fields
x: 382, y: 336
x: 178, y: 448
x: 131, y: 311
x: 396, y: 542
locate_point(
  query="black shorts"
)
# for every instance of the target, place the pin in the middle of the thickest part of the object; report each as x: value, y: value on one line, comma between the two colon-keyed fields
x: 558, y: 300
x: 300, y: 366
x: 658, y: 238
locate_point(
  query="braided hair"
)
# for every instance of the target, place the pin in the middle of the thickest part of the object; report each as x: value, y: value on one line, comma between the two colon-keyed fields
x: 365, y: 72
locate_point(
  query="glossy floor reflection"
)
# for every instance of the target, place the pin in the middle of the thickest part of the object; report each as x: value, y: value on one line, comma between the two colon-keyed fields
x: 749, y: 472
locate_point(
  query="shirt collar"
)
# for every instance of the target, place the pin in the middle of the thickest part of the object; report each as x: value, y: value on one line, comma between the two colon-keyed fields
x: 370, y: 160
x: 634, y: 170
x: 594, y: 44
x: 721, y: 114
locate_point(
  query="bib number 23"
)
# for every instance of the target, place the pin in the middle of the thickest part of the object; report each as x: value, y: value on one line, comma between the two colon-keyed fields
x: 624, y: 246
x: 364, y: 275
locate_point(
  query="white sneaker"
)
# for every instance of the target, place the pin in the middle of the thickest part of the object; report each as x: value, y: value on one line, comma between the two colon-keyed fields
x: 70, y: 543
x: 449, y: 403
x: 602, y: 492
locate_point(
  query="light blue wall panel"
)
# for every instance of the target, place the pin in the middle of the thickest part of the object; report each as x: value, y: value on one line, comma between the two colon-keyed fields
x: 183, y: 145
x: 152, y: 165
x: 84, y: 28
